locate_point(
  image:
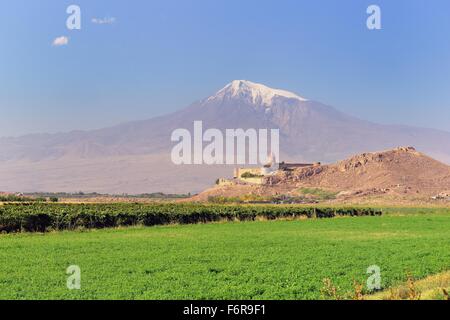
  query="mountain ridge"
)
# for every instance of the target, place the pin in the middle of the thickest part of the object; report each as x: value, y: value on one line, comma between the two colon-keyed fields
x: 309, y: 131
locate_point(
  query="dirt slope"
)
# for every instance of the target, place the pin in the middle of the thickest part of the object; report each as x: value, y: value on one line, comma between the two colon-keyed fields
x: 402, y: 172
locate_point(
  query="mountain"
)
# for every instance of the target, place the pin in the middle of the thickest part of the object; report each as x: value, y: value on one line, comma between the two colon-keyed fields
x: 134, y: 157
x: 401, y: 173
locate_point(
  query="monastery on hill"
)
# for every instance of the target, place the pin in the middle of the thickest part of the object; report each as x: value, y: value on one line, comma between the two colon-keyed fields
x: 256, y: 175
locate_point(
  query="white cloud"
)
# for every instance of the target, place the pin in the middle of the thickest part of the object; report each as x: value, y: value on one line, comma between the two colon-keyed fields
x: 61, y: 41
x: 106, y: 20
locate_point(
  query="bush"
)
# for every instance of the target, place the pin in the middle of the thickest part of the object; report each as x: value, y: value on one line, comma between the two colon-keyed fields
x: 15, y: 198
x: 251, y: 175
x: 319, y: 194
x: 41, y: 217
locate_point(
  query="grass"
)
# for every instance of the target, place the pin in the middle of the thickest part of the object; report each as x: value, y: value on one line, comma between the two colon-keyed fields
x: 435, y: 287
x: 245, y: 260
x: 408, y: 211
x: 318, y: 193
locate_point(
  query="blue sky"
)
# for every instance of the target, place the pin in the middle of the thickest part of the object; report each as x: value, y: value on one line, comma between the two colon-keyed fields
x: 160, y: 56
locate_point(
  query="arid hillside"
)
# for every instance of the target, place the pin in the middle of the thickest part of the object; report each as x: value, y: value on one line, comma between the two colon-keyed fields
x: 394, y: 174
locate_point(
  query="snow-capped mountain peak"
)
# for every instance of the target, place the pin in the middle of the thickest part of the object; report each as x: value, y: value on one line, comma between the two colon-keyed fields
x: 256, y: 93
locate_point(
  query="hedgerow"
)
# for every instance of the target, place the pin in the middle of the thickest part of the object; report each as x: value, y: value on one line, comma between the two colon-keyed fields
x: 42, y: 217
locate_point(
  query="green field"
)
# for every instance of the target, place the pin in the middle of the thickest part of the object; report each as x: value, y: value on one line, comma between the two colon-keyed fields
x: 241, y: 260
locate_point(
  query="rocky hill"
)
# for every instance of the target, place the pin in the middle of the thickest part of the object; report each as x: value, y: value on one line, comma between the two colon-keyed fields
x: 398, y: 173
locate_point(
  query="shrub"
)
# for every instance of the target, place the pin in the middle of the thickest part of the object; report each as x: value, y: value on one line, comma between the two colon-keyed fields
x: 251, y: 175
x: 41, y: 217
x: 318, y: 193
x: 15, y: 198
